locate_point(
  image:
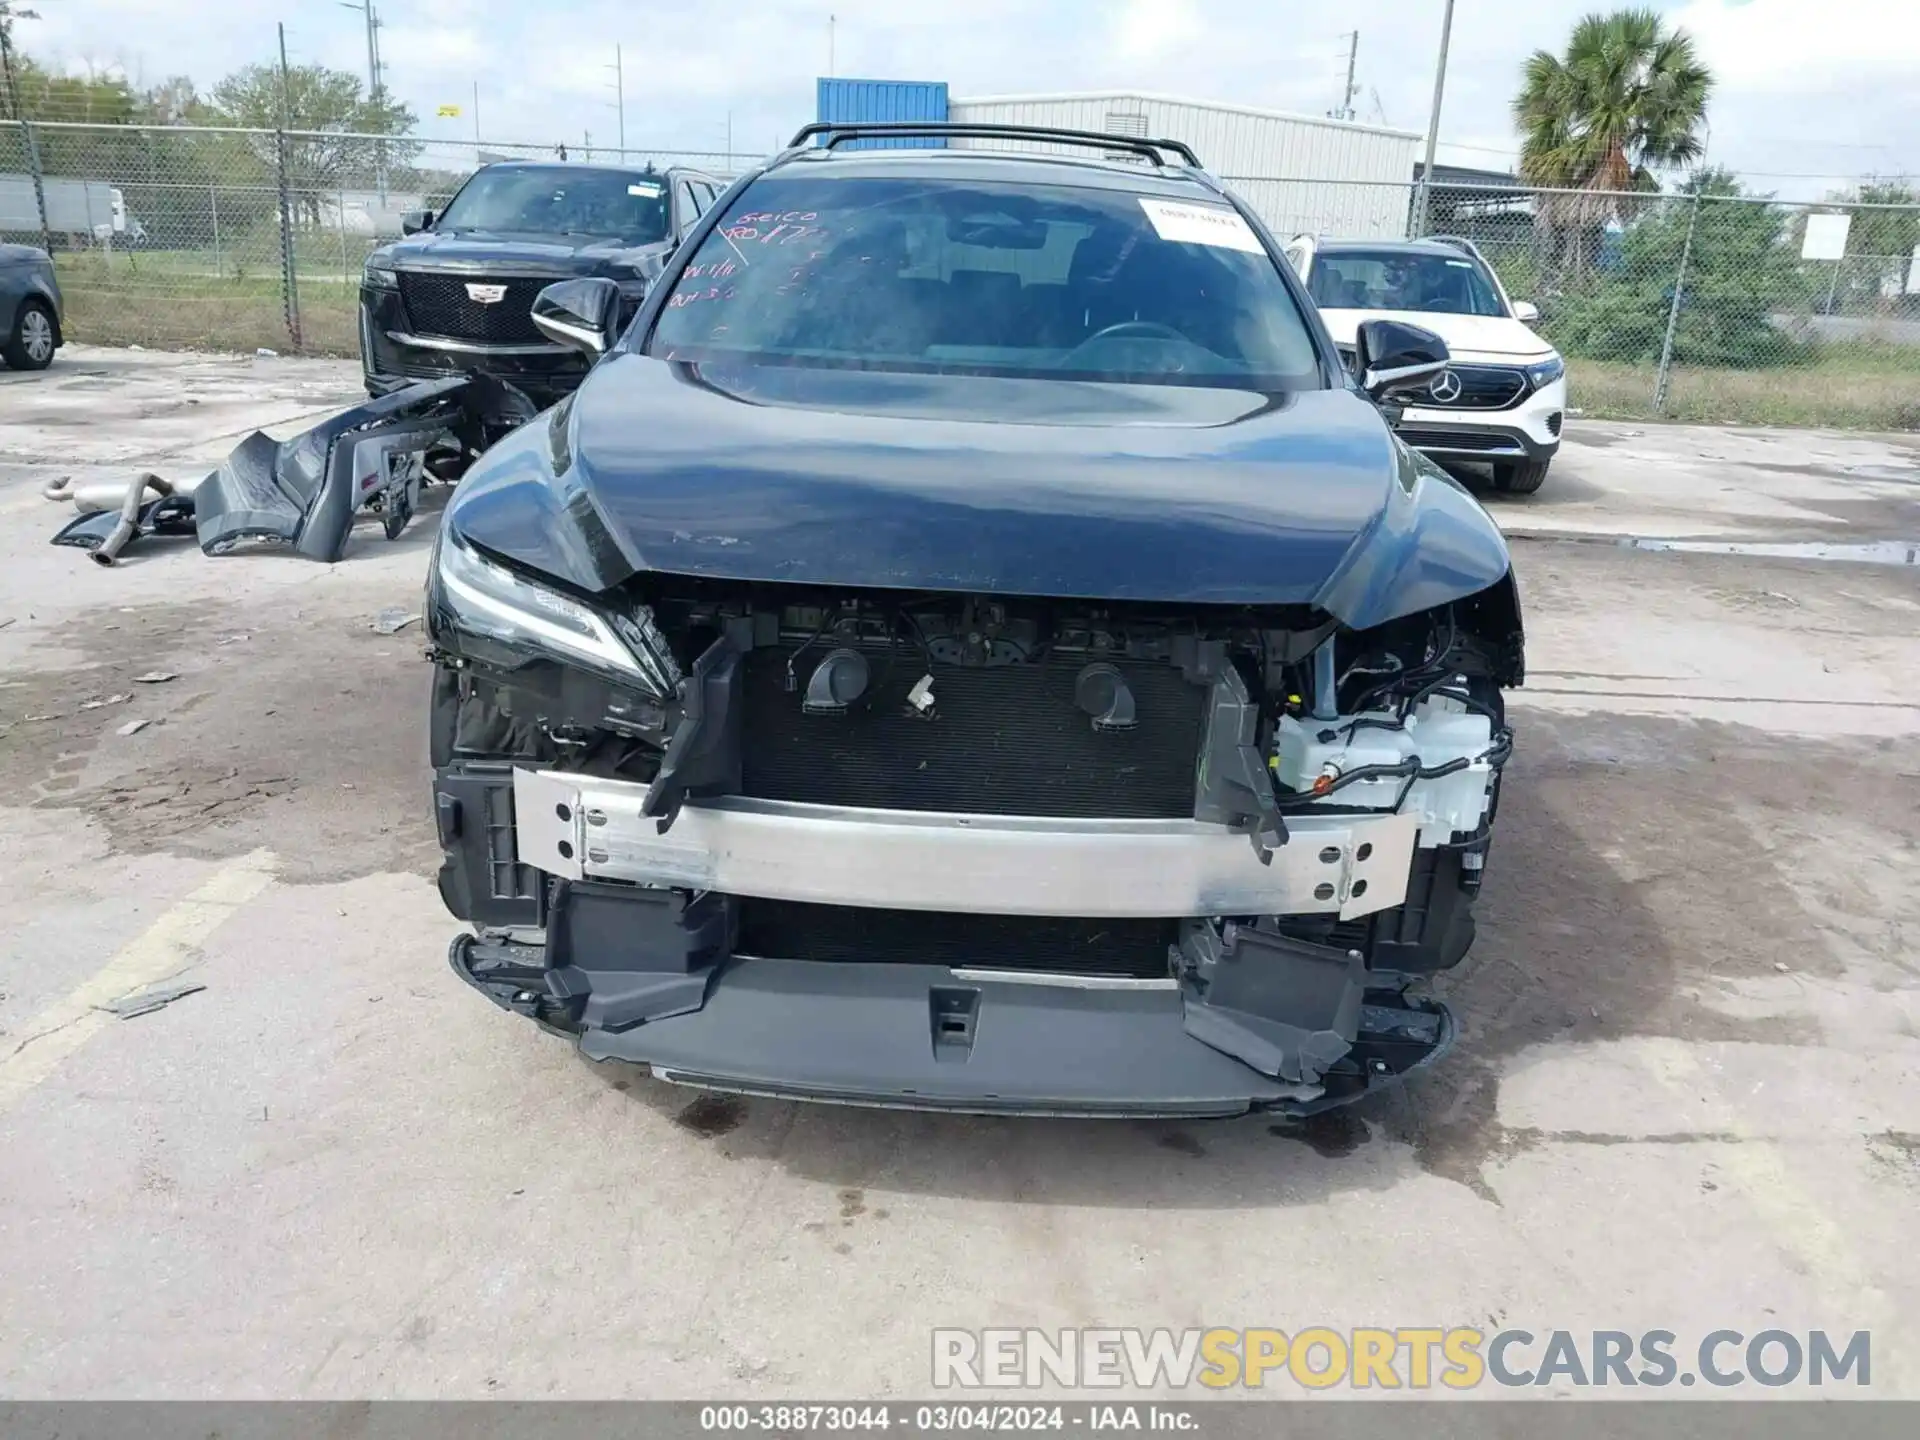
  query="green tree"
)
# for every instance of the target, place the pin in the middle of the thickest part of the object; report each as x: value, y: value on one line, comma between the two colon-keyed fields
x: 1740, y: 270
x: 31, y: 91
x: 174, y: 101
x: 1629, y: 95
x: 333, y: 152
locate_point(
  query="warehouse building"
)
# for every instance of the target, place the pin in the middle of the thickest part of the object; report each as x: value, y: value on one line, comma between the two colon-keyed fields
x: 1298, y: 172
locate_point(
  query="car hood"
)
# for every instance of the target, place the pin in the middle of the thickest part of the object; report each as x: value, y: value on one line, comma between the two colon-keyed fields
x: 984, y: 485
x: 475, y: 252
x: 1466, y: 335
x: 22, y: 255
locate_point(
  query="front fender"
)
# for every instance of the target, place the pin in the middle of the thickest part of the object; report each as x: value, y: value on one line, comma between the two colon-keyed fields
x: 523, y: 502
x: 1432, y: 543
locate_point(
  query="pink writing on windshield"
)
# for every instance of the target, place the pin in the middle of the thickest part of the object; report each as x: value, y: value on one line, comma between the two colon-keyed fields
x: 683, y: 298
x: 781, y: 232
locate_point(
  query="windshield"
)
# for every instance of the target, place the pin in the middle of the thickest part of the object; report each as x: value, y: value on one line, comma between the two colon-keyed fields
x: 989, y: 278
x: 629, y: 206
x: 1400, y: 280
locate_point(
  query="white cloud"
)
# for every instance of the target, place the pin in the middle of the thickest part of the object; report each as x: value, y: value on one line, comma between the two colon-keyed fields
x: 1151, y: 29
x: 1804, y: 87
x: 1782, y: 47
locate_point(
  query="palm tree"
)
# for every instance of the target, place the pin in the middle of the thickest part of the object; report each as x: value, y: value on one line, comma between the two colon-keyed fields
x: 1628, y: 95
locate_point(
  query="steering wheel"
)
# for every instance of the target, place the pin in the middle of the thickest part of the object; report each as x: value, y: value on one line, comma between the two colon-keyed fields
x: 1142, y: 329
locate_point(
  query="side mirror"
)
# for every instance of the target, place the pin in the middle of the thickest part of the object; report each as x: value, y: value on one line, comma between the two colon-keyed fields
x: 1525, y: 311
x: 581, y: 314
x: 1393, y: 359
x: 414, y: 221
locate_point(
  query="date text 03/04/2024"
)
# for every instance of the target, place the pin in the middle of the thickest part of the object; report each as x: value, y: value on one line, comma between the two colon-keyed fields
x: 781, y: 1419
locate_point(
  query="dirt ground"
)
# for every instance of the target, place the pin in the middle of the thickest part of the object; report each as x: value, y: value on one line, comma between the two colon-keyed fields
x: 1686, y: 1093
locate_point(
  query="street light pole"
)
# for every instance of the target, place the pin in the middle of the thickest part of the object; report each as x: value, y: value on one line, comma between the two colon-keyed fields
x: 365, y: 7
x: 1433, y: 123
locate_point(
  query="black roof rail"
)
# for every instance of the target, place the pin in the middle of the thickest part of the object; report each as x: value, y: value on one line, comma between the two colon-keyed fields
x: 837, y: 131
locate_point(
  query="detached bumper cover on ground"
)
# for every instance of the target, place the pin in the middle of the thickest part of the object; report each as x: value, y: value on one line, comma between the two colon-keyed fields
x: 305, y: 492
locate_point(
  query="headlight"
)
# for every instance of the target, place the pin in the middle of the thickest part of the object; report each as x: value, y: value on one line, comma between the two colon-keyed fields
x: 380, y: 277
x: 491, y: 601
x: 1546, y: 372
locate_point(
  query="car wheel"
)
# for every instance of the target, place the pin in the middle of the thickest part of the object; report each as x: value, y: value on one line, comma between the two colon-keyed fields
x: 1520, y: 477
x: 34, y: 339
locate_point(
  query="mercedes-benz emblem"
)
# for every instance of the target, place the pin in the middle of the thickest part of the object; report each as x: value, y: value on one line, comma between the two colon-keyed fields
x: 1445, y: 387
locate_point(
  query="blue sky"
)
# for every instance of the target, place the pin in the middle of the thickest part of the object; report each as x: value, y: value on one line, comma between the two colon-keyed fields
x: 1812, y: 91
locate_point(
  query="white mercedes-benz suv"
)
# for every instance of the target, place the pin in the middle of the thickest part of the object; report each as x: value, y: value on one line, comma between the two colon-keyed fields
x: 1504, y: 397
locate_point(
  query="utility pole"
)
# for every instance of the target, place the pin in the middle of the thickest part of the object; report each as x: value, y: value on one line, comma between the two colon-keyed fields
x: 366, y: 8
x: 830, y: 25
x: 1433, y: 125
x: 476, y: 113
x: 620, y: 97
x: 1353, y: 56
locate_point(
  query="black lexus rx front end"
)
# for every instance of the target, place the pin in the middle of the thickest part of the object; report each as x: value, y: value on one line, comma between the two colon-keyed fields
x: 969, y: 645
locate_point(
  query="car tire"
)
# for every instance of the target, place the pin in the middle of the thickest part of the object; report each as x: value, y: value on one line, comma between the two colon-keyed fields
x: 1520, y: 477
x: 35, y: 337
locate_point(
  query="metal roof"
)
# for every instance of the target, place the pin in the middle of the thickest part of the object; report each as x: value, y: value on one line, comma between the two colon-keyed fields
x: 1152, y: 97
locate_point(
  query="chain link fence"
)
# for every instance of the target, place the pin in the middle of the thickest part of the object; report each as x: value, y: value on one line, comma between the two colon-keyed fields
x: 1703, y: 306
x: 1710, y: 307
x: 229, y: 239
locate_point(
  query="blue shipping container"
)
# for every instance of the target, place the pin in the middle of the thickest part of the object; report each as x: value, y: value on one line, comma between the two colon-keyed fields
x: 850, y: 101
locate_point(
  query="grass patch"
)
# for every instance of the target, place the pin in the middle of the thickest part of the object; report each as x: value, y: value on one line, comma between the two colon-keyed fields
x: 195, y: 300
x: 1850, y: 386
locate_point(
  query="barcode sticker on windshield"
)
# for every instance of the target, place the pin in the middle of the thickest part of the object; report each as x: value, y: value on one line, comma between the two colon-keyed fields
x: 643, y: 190
x: 1201, y: 225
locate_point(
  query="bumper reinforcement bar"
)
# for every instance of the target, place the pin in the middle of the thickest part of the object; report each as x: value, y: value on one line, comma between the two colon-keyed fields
x: 581, y: 827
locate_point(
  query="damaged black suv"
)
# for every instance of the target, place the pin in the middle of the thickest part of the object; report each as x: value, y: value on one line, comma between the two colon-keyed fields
x: 968, y: 644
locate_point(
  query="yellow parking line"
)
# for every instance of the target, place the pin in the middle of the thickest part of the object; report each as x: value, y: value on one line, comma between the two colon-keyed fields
x: 162, y: 950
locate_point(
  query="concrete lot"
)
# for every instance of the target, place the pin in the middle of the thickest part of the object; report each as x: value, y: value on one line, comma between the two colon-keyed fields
x: 1686, y: 1095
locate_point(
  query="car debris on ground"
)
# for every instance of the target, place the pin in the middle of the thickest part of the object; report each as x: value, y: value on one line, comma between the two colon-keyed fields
x: 305, y: 492
x: 150, y: 998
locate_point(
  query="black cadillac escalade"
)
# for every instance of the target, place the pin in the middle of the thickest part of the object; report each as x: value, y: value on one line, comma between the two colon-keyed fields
x: 456, y: 293
x: 970, y: 643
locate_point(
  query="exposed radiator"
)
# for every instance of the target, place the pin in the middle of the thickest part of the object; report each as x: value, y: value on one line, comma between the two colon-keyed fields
x: 1004, y: 740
